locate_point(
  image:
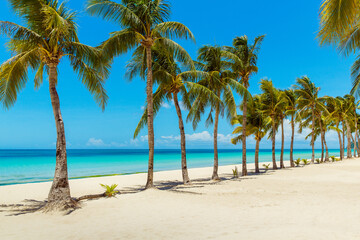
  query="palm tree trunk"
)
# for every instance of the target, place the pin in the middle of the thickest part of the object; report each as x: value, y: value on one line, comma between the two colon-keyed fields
x: 292, y: 142
x: 348, y: 133
x: 184, y: 170
x: 257, y: 170
x: 340, y: 142
x: 322, y: 141
x: 343, y: 136
x: 326, y: 149
x: 244, y: 162
x: 150, y: 118
x: 313, y: 135
x: 282, y: 145
x: 273, y: 145
x: 215, y: 175
x: 59, y: 197
x: 356, y: 151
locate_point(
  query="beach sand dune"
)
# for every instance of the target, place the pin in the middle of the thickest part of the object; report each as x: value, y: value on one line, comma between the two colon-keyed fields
x: 312, y: 202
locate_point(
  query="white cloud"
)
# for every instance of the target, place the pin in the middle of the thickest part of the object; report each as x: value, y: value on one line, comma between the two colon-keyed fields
x: 142, y: 108
x: 165, y: 105
x: 204, y: 136
x: 95, y: 142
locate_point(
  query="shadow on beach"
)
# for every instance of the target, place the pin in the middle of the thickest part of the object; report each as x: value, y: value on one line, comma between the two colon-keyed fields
x: 29, y: 206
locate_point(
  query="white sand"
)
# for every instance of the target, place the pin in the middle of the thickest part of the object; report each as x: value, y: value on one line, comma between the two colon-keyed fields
x: 312, y: 202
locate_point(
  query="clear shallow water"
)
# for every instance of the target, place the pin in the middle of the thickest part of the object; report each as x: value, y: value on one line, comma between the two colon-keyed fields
x: 25, y: 166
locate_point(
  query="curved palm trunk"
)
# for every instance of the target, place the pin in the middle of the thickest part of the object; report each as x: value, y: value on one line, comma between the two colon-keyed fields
x: 348, y: 134
x: 313, y: 136
x: 257, y: 170
x: 215, y: 175
x: 244, y: 162
x: 184, y: 170
x: 340, y: 142
x: 326, y: 149
x: 352, y: 139
x: 59, y: 197
x: 273, y: 145
x: 150, y: 118
x: 292, y: 142
x: 282, y: 145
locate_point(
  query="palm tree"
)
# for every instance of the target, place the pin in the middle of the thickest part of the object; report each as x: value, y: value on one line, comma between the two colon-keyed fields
x: 282, y: 115
x: 272, y: 106
x: 336, y: 116
x: 255, y: 124
x: 172, y: 81
x: 145, y: 26
x: 291, y: 111
x: 339, y: 26
x: 308, y: 102
x: 219, y: 79
x: 349, y: 105
x: 245, y: 67
x: 50, y: 36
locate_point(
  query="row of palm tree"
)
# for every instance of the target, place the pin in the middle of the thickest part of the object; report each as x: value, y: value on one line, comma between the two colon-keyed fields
x: 303, y: 106
x: 206, y: 85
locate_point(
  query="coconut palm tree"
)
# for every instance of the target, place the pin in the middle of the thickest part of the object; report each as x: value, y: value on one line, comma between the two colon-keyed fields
x: 50, y: 35
x: 173, y: 81
x: 255, y: 124
x: 336, y: 116
x: 145, y: 26
x: 273, y: 104
x: 291, y: 111
x: 215, y: 61
x: 349, y: 105
x: 282, y: 115
x: 245, y: 67
x: 308, y: 102
x: 339, y: 25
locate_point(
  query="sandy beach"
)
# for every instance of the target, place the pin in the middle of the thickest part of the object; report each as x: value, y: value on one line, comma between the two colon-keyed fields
x: 311, y: 202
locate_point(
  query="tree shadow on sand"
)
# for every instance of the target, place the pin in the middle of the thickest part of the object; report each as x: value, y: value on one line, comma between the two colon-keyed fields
x: 29, y: 206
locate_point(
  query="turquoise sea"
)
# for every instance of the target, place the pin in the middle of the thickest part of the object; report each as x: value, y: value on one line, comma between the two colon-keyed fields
x: 25, y: 166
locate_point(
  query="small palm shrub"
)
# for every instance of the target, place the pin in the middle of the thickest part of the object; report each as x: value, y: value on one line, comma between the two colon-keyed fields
x: 332, y: 158
x: 235, y: 172
x: 266, y: 166
x: 110, y: 190
x: 305, y: 161
x: 297, y: 162
x: 338, y: 159
x: 318, y: 161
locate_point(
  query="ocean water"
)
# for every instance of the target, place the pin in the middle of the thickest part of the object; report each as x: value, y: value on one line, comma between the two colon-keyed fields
x: 25, y: 166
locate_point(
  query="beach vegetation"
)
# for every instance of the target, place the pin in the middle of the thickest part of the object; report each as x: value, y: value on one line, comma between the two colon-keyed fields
x: 235, y: 172
x: 110, y: 190
x: 266, y: 166
x: 297, y: 162
x: 305, y: 161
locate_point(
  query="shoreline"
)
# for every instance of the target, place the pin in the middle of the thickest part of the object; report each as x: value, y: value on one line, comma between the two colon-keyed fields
x: 91, y: 185
x: 131, y: 173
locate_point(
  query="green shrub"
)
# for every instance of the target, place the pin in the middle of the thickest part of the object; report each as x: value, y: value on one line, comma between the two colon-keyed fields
x: 266, y: 166
x: 305, y: 161
x: 235, y: 172
x: 297, y: 162
x: 318, y: 161
x: 332, y: 158
x: 110, y: 190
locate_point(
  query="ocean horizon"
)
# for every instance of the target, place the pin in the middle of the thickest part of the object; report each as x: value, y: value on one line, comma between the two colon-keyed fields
x: 19, y: 166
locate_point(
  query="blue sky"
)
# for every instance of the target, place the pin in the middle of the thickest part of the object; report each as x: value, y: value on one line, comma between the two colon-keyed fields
x: 290, y: 50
